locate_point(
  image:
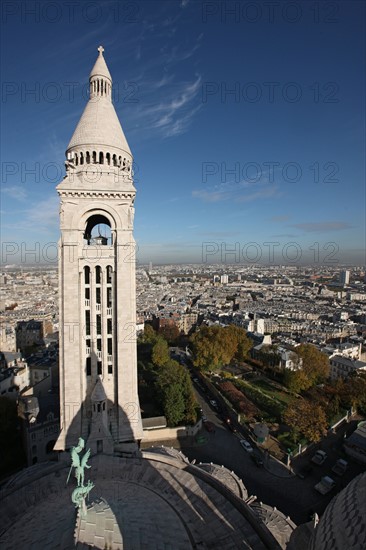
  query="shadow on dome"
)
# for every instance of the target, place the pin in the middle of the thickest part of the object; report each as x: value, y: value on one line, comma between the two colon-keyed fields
x: 140, y: 498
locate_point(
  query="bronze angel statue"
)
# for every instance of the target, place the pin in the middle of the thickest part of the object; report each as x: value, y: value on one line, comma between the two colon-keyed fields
x: 78, y: 462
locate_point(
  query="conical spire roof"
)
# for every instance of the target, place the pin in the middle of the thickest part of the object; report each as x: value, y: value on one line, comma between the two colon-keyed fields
x: 99, y: 125
x: 100, y: 67
x: 98, y: 393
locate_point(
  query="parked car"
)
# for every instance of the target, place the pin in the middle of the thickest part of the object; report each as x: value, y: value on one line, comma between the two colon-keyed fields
x: 325, y: 485
x: 199, y: 384
x: 213, y: 403
x: 246, y: 445
x: 319, y: 457
x: 230, y: 425
x: 257, y: 459
x: 204, y: 418
x: 305, y: 471
x: 209, y: 426
x: 340, y: 467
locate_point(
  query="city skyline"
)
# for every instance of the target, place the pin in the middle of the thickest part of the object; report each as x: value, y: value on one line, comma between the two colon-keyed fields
x: 251, y: 146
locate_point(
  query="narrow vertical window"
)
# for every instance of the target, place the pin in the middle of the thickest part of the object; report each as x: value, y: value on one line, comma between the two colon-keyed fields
x: 99, y: 324
x: 109, y: 297
x: 88, y: 366
x: 87, y: 322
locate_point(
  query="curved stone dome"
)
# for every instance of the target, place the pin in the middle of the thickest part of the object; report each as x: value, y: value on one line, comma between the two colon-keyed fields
x: 99, y: 126
x: 149, y: 502
x: 280, y: 526
x: 343, y: 525
x: 227, y: 478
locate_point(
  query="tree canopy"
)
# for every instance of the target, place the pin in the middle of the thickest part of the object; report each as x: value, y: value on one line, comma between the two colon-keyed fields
x: 314, y: 369
x: 149, y: 335
x: 306, y: 418
x: 315, y: 364
x: 216, y: 346
x: 174, y: 387
x: 160, y: 352
x: 170, y: 333
x: 170, y: 381
x: 352, y: 391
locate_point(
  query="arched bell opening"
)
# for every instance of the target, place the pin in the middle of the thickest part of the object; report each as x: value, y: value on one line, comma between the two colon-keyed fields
x: 98, y: 231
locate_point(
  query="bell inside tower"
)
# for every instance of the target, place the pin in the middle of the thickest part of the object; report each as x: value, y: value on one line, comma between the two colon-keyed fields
x: 98, y: 231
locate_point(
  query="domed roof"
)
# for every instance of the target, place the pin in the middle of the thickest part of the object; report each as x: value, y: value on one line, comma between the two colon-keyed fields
x: 99, y: 124
x: 280, y: 526
x: 229, y: 479
x: 149, y: 501
x: 343, y: 525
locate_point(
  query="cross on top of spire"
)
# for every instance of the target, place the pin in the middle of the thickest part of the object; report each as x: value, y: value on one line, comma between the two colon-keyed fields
x: 100, y: 69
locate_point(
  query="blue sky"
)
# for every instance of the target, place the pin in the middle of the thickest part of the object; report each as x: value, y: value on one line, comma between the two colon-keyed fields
x: 246, y: 122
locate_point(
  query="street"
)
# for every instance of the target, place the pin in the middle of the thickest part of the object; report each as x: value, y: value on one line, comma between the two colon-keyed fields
x: 295, y: 497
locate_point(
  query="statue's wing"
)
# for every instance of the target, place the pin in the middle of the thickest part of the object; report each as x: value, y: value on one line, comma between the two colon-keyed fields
x: 85, y: 458
x: 75, y: 458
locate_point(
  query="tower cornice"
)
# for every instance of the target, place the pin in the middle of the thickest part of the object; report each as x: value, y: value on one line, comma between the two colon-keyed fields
x: 82, y: 194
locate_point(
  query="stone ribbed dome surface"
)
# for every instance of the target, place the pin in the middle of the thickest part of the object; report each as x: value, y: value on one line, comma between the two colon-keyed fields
x: 99, y: 126
x: 148, y: 502
x: 229, y: 479
x: 343, y: 525
x: 280, y: 526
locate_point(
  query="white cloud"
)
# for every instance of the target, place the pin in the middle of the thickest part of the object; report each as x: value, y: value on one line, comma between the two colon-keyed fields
x: 40, y: 217
x: 283, y: 218
x: 240, y: 192
x: 15, y: 192
x: 172, y: 116
x: 322, y: 226
x: 45, y: 213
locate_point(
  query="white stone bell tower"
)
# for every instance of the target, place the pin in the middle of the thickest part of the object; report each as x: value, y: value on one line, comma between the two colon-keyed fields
x: 97, y: 280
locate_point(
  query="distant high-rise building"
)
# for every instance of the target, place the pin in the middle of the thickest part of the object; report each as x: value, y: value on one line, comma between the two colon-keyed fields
x: 344, y: 277
x: 224, y: 279
x: 150, y: 267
